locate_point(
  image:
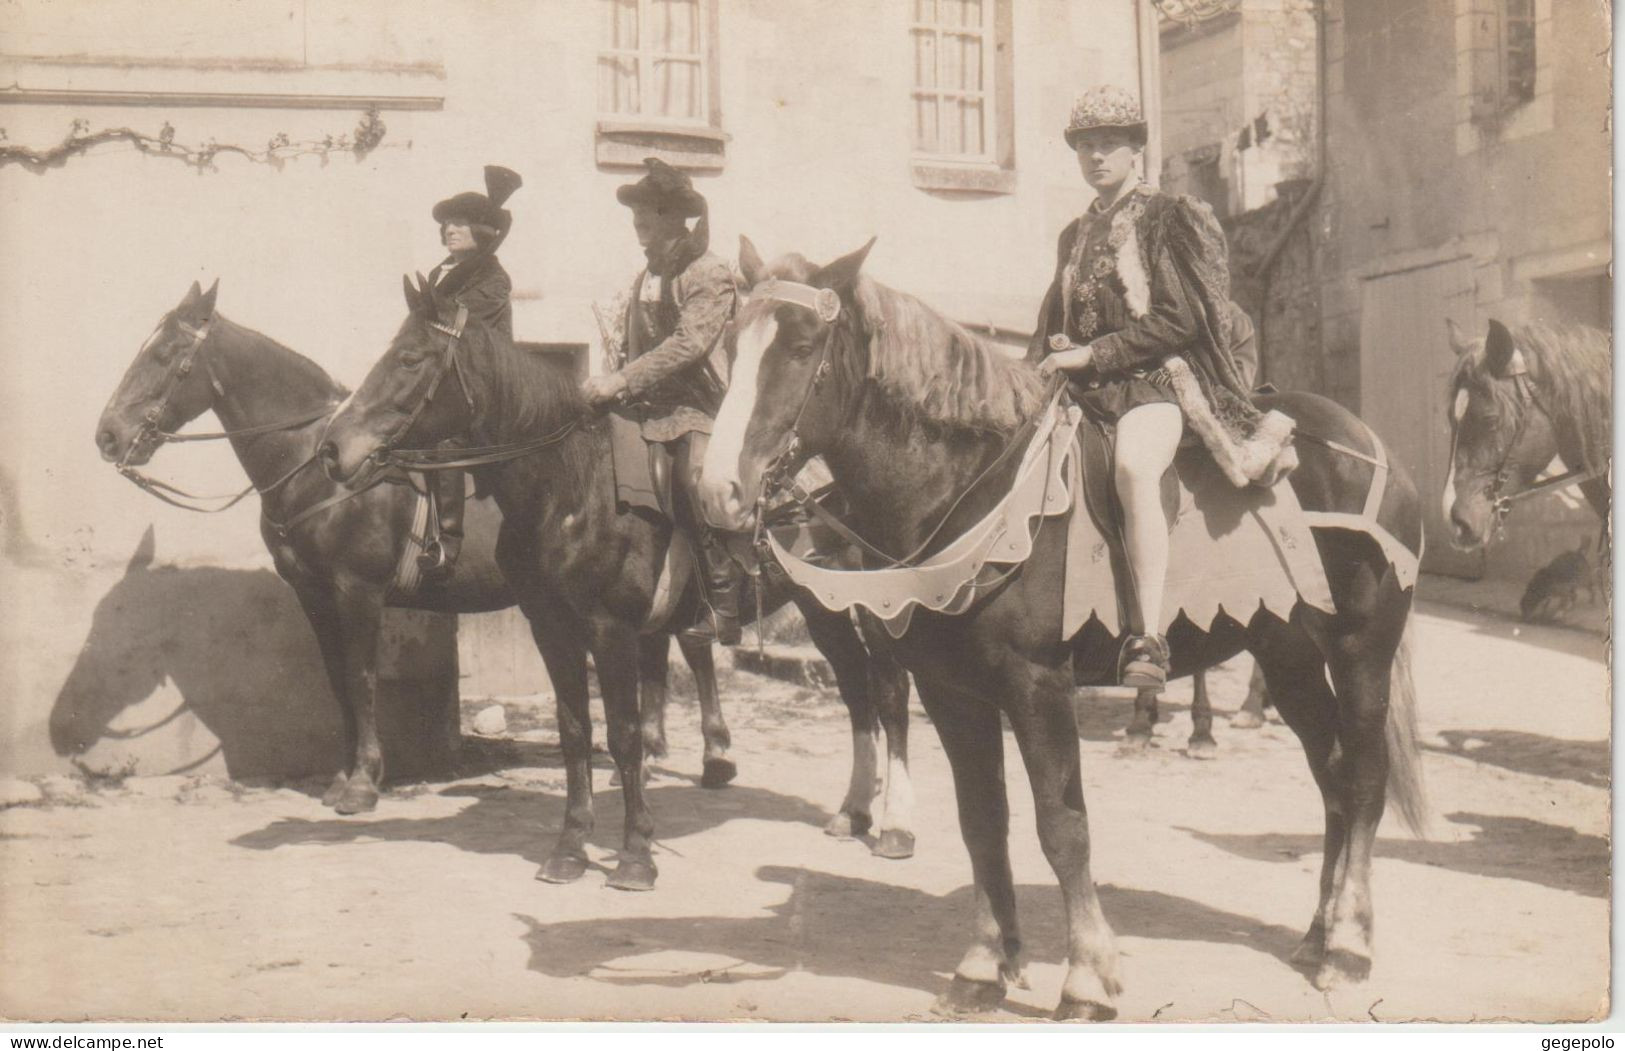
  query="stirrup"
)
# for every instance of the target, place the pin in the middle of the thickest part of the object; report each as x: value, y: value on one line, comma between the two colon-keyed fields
x: 435, y: 561
x: 1145, y: 663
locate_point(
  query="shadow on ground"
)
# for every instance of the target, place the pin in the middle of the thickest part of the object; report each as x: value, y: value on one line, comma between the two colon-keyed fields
x: 1503, y: 847
x: 1587, y: 762
x: 846, y: 927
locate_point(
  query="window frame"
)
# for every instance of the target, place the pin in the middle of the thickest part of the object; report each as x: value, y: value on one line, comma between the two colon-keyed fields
x: 623, y: 140
x: 992, y: 171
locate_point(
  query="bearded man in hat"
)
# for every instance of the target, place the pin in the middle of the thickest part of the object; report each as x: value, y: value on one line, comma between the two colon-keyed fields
x: 472, y: 226
x: 676, y: 365
x: 1139, y: 319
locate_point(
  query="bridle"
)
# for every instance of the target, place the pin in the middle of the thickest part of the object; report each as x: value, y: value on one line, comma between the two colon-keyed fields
x: 150, y: 431
x: 1495, y: 489
x: 387, y: 455
x: 779, y: 476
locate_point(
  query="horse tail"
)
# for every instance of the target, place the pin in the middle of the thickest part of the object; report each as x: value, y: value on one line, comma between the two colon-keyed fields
x: 1407, y: 791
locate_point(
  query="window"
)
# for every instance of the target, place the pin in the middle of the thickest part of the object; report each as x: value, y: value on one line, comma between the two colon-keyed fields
x: 962, y: 95
x: 1518, y: 52
x: 652, y: 63
x: 952, y: 89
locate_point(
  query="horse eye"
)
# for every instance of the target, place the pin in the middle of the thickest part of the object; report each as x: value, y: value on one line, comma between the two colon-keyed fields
x: 801, y: 350
x: 412, y: 361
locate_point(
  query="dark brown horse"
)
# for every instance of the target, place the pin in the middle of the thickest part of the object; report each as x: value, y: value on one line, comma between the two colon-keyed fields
x: 586, y: 574
x: 340, y: 559
x: 1518, y: 398
x: 908, y: 411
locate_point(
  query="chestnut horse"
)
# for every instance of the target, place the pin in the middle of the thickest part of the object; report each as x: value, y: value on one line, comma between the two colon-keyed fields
x: 1519, y: 398
x: 914, y: 416
x: 585, y: 574
x: 341, y: 559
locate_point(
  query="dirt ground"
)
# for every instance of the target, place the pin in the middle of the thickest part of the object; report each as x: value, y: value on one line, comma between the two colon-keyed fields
x: 182, y: 898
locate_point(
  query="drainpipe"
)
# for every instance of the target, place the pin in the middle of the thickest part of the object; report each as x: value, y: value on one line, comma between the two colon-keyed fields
x: 1149, y: 47
x: 1264, y: 269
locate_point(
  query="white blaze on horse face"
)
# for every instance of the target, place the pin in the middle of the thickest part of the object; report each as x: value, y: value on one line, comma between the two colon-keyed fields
x: 1458, y: 410
x: 722, y: 483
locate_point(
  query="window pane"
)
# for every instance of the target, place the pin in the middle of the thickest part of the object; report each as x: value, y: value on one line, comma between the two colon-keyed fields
x: 971, y: 141
x: 970, y: 65
x: 620, y: 23
x: 970, y: 13
x: 676, y: 26
x: 677, y: 84
x: 925, y: 123
x: 951, y: 62
x: 925, y: 59
x: 618, y: 90
x: 925, y: 11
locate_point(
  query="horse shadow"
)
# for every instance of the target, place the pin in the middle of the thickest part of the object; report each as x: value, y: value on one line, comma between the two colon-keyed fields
x: 826, y: 915
x: 170, y: 648
x: 525, y: 821
x: 1584, y: 762
x: 1504, y: 847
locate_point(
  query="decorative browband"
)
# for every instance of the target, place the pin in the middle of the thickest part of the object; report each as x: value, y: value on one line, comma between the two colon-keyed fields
x: 821, y: 301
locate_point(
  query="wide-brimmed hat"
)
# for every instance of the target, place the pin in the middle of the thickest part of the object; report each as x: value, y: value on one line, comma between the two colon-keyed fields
x: 1105, y: 106
x: 484, y: 209
x: 664, y: 187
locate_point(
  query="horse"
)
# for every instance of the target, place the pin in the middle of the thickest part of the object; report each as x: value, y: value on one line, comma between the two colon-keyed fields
x: 341, y: 559
x: 914, y: 417
x: 585, y: 574
x: 1519, y: 398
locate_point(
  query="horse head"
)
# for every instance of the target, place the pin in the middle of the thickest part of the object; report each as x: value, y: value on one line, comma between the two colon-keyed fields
x: 416, y: 395
x: 161, y: 390
x: 1501, y: 438
x: 787, y: 399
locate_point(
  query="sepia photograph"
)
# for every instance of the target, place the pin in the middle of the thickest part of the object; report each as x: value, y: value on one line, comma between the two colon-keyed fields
x: 805, y: 511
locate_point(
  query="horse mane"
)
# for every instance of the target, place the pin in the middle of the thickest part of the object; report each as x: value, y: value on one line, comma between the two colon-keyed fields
x: 1572, y: 367
x: 304, y: 369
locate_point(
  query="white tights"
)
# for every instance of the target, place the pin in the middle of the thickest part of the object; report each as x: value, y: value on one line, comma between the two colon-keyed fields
x: 1147, y: 438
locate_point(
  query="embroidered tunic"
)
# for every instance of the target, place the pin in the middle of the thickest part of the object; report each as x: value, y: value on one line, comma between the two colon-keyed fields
x: 677, y: 367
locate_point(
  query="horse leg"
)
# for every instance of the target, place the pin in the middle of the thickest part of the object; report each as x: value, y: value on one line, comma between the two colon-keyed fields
x: 888, y: 688
x: 1046, y: 730
x: 566, y: 661
x: 974, y: 742
x: 838, y: 641
x: 1251, y: 714
x: 615, y: 655
x: 1295, y: 675
x: 717, y: 770
x: 1137, y: 739
x: 359, y: 611
x: 1201, y: 745
x: 322, y: 613
x: 654, y: 658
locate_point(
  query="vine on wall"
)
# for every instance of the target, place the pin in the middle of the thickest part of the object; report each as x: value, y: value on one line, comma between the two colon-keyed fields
x: 368, y: 136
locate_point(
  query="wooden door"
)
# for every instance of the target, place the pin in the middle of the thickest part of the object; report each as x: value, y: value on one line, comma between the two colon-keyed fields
x: 1405, y: 365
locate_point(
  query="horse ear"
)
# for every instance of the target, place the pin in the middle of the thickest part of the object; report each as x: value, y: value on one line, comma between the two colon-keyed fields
x: 191, y: 296
x: 1460, y: 342
x: 141, y: 558
x: 750, y: 262
x: 414, y: 303
x: 843, y: 273
x: 1500, y: 353
x: 205, y: 306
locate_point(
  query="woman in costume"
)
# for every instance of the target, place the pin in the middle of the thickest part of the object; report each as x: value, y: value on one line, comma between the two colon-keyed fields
x: 1138, y: 318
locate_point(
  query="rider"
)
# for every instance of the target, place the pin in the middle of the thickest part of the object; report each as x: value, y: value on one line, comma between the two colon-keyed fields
x: 1139, y: 318
x: 472, y: 225
x: 676, y: 365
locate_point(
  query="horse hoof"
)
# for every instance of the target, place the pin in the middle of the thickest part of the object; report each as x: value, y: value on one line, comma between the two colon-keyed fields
x: 1083, y: 1011
x: 357, y: 798
x: 1340, y: 968
x: 895, y: 844
x: 634, y: 874
x: 1133, y: 745
x: 847, y: 825
x: 718, y: 772
x: 1245, y: 720
x: 966, y: 996
x: 562, y: 868
x: 1208, y: 749
x: 335, y: 791
x: 1309, y: 953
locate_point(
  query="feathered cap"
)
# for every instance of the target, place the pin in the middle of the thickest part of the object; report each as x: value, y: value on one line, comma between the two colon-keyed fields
x: 664, y: 187
x: 483, y: 208
x: 1105, y: 106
